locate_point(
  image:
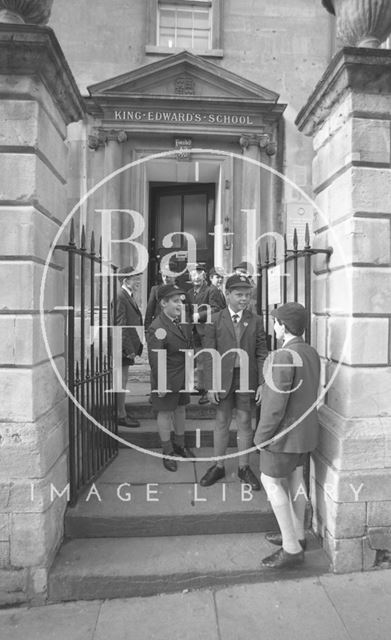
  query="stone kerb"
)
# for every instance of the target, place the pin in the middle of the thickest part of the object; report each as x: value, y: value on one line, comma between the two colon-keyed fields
x: 38, y: 99
x: 349, y: 118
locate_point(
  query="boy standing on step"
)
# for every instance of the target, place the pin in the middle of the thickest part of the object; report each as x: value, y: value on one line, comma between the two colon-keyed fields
x: 233, y: 330
x: 168, y: 337
x: 128, y: 315
x: 289, y: 400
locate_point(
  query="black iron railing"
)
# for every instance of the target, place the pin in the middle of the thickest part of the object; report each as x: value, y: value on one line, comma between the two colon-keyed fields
x: 296, y: 279
x: 92, y: 297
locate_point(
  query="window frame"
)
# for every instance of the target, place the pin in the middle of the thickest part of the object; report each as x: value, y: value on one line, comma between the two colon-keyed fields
x: 216, y: 13
x: 190, y: 8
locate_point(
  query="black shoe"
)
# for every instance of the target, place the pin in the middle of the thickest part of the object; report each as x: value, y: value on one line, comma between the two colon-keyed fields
x: 204, y: 398
x: 170, y: 465
x: 129, y: 422
x: 281, y: 559
x: 276, y: 538
x: 199, y: 391
x: 213, y: 474
x: 183, y: 452
x: 248, y: 476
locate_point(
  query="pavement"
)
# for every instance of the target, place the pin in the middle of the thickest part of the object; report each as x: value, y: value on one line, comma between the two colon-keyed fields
x: 331, y: 607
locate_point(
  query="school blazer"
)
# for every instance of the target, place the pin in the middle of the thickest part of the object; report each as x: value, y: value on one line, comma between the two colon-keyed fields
x: 171, y: 338
x: 200, y: 298
x: 220, y: 335
x: 300, y: 385
x: 127, y: 313
x: 152, y: 310
x: 216, y: 299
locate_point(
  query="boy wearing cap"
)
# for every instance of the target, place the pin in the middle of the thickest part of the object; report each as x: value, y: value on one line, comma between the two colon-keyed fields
x: 235, y: 328
x: 216, y: 295
x: 246, y: 269
x: 128, y: 314
x: 167, y: 334
x: 153, y: 307
x: 289, y: 400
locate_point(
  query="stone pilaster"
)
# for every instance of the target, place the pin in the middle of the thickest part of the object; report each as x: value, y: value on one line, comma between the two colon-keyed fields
x: 249, y: 218
x: 38, y: 98
x: 349, y: 118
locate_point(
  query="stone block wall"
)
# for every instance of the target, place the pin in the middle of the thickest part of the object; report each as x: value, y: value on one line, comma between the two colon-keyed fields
x: 38, y: 98
x: 350, y: 122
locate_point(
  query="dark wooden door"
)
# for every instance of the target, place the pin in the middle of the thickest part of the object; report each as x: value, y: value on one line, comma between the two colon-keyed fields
x: 188, y: 208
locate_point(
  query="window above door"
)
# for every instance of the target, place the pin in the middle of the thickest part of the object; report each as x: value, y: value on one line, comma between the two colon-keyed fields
x: 194, y: 25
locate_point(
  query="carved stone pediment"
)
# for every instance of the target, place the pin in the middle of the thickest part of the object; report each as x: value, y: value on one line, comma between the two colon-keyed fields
x: 183, y: 74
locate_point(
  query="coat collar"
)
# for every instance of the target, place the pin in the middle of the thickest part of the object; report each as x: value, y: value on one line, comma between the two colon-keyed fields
x: 200, y: 290
x: 132, y: 301
x: 295, y: 340
x: 171, y: 326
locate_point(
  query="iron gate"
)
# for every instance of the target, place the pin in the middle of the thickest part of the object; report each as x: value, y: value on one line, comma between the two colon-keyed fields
x: 296, y: 284
x: 91, y: 300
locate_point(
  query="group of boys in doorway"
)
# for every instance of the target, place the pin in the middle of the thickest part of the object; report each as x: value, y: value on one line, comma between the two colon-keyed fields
x: 284, y: 384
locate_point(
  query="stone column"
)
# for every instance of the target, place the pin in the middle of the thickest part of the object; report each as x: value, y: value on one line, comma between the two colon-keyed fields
x: 349, y: 117
x: 38, y: 98
x: 248, y: 219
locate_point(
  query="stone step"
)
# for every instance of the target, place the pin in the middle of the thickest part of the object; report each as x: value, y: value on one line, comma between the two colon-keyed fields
x: 140, y: 408
x: 139, y: 373
x: 127, y: 507
x: 87, y: 569
x: 147, y: 436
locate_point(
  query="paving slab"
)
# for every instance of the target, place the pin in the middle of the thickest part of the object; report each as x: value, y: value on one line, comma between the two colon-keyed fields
x: 129, y: 567
x: 71, y: 621
x: 283, y: 610
x: 363, y: 601
x: 189, y: 616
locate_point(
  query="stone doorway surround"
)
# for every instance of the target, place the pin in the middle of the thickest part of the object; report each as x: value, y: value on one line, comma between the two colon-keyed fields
x: 186, y: 99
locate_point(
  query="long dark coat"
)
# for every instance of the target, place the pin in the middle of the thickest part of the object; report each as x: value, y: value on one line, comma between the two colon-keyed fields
x: 127, y: 313
x: 163, y: 333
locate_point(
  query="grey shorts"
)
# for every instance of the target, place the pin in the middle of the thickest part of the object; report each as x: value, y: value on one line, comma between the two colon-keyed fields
x: 280, y: 465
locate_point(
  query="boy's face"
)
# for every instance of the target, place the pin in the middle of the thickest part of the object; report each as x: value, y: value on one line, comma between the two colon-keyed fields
x: 133, y: 282
x: 279, y: 330
x: 173, y: 306
x: 217, y: 280
x: 197, y: 277
x: 238, y: 299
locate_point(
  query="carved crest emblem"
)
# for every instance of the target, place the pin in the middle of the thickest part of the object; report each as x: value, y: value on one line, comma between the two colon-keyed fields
x: 184, y: 85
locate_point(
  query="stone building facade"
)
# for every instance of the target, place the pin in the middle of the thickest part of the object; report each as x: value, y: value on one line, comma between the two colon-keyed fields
x: 112, y: 85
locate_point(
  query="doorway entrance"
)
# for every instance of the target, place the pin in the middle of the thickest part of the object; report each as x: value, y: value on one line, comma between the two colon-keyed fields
x: 182, y: 208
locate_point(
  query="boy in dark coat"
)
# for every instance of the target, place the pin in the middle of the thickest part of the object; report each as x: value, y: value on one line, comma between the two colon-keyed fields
x: 153, y: 306
x: 128, y: 314
x: 216, y: 294
x: 198, y: 297
x: 288, y: 430
x: 168, y: 335
x: 235, y: 327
